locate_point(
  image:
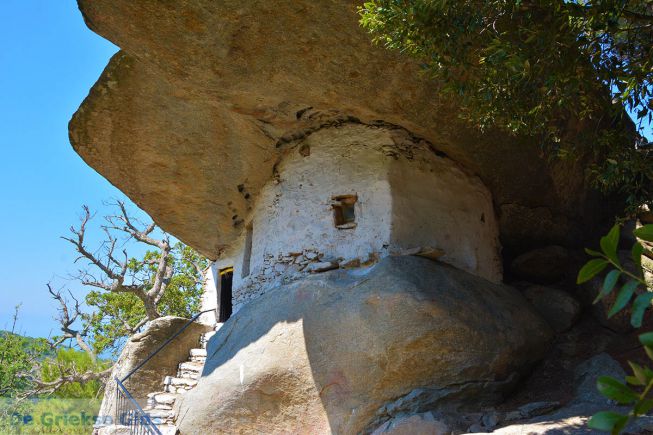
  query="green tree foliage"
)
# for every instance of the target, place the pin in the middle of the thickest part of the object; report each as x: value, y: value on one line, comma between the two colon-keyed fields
x: 71, y: 408
x: 125, y: 292
x: 67, y: 358
x: 544, y: 68
x: 116, y: 316
x: 632, y: 289
x: 24, y: 359
x: 17, y: 356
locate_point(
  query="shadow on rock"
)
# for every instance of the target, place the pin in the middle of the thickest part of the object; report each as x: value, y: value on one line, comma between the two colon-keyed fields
x: 346, y: 351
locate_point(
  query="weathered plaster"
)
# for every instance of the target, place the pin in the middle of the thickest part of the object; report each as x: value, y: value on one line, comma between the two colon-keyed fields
x: 435, y: 203
x: 409, y: 198
x: 210, y: 295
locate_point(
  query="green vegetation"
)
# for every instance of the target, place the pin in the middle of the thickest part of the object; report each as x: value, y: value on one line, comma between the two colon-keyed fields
x: 564, y: 73
x: 56, y: 386
x: 82, y: 362
x: 636, y: 390
x: 21, y: 411
x: 546, y: 69
x: 17, y: 355
x: 117, y: 315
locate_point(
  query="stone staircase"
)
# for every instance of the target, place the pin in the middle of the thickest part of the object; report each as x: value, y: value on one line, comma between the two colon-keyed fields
x: 161, y: 405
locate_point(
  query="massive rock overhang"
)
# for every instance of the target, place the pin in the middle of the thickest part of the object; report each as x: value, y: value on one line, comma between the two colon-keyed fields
x: 190, y: 116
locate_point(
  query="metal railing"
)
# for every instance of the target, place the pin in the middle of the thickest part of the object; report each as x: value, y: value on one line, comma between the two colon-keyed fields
x: 131, y: 414
x: 128, y: 410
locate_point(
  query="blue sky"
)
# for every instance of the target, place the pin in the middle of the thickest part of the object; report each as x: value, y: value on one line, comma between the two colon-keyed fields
x: 48, y: 62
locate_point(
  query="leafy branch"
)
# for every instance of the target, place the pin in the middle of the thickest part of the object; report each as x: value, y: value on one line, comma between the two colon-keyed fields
x: 636, y: 390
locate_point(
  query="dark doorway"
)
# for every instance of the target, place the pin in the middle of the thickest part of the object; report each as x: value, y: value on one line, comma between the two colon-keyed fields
x: 226, y: 280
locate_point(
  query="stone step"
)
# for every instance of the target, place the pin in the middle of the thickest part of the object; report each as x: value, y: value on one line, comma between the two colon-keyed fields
x: 198, y: 352
x: 163, y: 422
x: 207, y: 335
x: 179, y: 385
x: 174, y: 390
x: 159, y: 406
x: 178, y: 390
x: 167, y: 429
x: 190, y: 366
x: 205, y: 338
x: 151, y: 404
x: 179, y: 382
x: 161, y: 400
x: 193, y: 376
x: 198, y: 355
x: 165, y: 398
x: 160, y: 415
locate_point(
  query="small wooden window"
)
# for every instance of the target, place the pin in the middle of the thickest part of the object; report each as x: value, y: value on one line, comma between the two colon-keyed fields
x: 344, y: 213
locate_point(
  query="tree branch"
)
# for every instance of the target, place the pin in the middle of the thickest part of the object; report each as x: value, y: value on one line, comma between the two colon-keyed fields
x: 67, y: 376
x: 636, y: 16
x: 131, y: 229
x: 66, y: 320
x: 78, y: 242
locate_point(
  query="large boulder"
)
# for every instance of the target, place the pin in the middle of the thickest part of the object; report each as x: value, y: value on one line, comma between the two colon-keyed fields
x: 348, y: 350
x: 542, y: 265
x: 149, y: 378
x: 213, y: 91
x: 557, y: 307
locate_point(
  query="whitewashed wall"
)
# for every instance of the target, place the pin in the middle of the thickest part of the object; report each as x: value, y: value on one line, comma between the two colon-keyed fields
x: 210, y: 295
x: 436, y: 204
x: 408, y: 197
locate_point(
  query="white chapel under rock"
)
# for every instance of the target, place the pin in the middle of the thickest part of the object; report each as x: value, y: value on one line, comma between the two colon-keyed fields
x: 354, y: 224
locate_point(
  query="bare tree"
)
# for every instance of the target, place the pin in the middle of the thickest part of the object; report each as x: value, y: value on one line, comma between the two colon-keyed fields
x: 67, y: 318
x: 113, y: 271
x: 67, y: 375
x: 109, y: 269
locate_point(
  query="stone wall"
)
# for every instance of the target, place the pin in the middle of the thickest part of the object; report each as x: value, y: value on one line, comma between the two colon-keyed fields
x: 437, y: 204
x: 409, y: 199
x: 210, y: 296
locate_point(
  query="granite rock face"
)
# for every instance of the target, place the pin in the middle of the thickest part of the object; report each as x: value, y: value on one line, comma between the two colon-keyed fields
x: 542, y: 265
x: 572, y: 418
x: 417, y: 424
x: 191, y: 119
x: 346, y: 351
x: 211, y: 91
x: 557, y: 307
